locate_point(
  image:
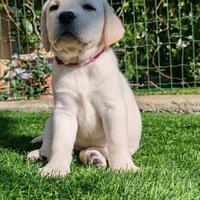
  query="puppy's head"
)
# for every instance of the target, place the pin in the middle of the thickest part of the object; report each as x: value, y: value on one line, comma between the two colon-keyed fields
x: 72, y: 25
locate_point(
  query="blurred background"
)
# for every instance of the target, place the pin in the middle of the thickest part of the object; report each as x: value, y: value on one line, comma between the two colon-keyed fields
x: 159, y: 53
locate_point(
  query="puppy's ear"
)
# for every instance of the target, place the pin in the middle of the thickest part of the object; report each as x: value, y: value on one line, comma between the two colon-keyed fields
x: 113, y: 28
x: 44, y: 33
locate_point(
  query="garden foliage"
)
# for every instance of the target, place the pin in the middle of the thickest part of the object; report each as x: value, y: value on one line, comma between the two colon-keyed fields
x: 27, y: 77
x: 160, y: 48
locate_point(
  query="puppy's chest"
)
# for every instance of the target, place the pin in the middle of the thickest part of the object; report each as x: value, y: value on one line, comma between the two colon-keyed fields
x: 87, y: 115
x: 81, y: 88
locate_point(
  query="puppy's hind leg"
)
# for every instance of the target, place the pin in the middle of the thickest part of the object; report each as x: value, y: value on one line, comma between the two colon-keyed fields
x: 45, y: 150
x: 38, y: 139
x: 94, y: 156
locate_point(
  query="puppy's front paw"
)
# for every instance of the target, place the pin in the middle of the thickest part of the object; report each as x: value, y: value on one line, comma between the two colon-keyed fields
x: 54, y: 170
x: 122, y: 164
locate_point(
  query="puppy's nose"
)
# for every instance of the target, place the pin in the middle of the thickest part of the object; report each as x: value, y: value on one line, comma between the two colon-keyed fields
x: 66, y: 18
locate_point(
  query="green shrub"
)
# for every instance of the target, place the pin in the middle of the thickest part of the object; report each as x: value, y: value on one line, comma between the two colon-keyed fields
x: 161, y: 31
x: 27, y: 78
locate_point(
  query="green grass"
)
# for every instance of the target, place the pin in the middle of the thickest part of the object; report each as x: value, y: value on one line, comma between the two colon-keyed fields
x: 169, y: 158
x: 173, y: 91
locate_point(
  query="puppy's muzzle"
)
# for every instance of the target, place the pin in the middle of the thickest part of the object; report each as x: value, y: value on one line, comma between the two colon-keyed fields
x: 67, y: 28
x: 66, y: 18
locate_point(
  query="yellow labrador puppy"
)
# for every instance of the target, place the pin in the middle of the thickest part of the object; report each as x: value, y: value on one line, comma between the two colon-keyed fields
x: 95, y: 110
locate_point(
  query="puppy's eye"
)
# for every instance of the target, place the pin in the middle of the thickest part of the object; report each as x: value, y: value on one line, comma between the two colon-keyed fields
x: 89, y: 7
x: 53, y: 8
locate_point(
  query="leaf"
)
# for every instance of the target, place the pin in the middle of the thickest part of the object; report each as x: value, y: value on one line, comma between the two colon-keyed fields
x: 28, y: 26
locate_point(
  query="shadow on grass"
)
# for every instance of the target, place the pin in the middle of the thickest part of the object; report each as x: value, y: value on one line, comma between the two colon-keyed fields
x: 16, y: 131
x: 12, y: 132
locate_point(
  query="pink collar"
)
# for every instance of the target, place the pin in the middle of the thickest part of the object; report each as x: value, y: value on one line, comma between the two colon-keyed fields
x: 76, y: 65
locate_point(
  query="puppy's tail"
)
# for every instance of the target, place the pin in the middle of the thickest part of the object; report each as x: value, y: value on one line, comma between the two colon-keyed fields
x: 37, y: 139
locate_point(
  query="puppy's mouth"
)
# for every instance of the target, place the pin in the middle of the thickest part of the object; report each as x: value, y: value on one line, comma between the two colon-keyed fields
x: 68, y: 34
x: 71, y: 36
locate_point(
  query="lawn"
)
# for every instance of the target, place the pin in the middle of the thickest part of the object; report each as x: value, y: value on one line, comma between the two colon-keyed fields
x: 174, y: 91
x: 169, y: 158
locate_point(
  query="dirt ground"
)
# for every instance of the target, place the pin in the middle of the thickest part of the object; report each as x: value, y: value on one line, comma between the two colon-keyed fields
x: 170, y: 103
x: 149, y: 103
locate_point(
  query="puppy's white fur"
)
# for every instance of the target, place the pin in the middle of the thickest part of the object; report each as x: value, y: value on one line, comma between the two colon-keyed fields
x: 95, y: 110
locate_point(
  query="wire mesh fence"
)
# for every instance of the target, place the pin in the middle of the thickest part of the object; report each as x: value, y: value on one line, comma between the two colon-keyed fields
x: 160, y: 49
